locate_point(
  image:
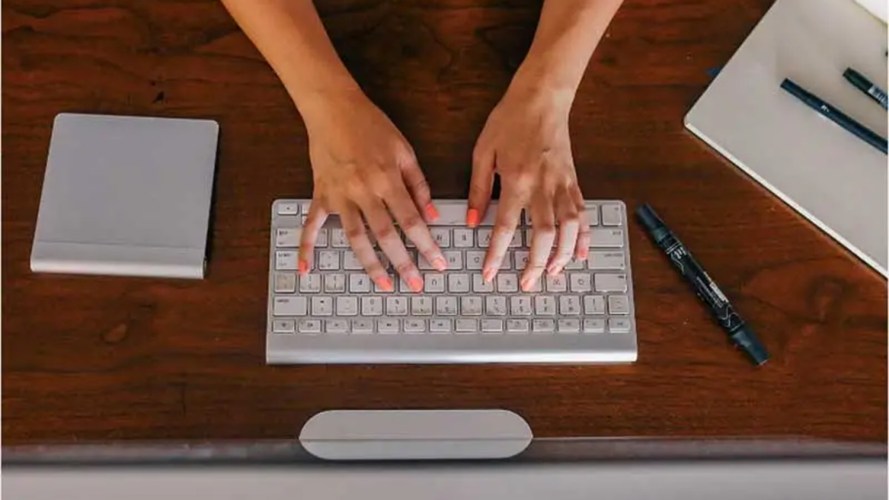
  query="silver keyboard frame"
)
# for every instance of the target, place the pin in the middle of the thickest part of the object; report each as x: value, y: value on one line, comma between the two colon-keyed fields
x: 451, y: 348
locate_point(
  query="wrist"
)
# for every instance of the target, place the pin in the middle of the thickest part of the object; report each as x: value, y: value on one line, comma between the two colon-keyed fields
x: 538, y: 81
x: 321, y: 103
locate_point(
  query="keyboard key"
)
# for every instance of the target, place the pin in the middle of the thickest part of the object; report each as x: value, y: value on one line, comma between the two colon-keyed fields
x: 421, y: 306
x: 556, y: 283
x: 606, y: 238
x: 618, y: 325
x: 337, y: 326
x: 287, y: 236
x: 446, y: 306
x: 569, y: 305
x: 594, y: 305
x: 618, y: 304
x: 506, y: 263
x: 521, y: 259
x: 359, y: 283
x: 321, y: 239
x: 440, y: 325
x: 575, y: 264
x: 466, y: 326
x: 507, y: 283
x: 335, y: 283
x: 471, y: 305
x: 396, y: 306
x: 545, y: 305
x: 520, y: 305
x: 536, y: 286
x: 435, y: 283
x: 458, y: 283
x: 310, y: 283
x: 592, y: 215
x: 611, y: 215
x: 322, y: 306
x: 611, y: 282
x: 388, y: 325
x: 338, y: 238
x: 475, y: 260
x: 598, y: 259
x: 328, y: 260
x: 594, y: 325
x: 288, y: 208
x: 346, y: 306
x: 285, y: 282
x: 350, y: 261
x: 283, y: 326
x: 516, y: 240
x: 568, y: 325
x: 441, y: 236
x: 361, y: 326
x: 454, y: 259
x: 304, y: 207
x: 544, y: 326
x: 372, y: 306
x: 309, y: 326
x: 495, y: 305
x: 492, y: 326
x: 517, y: 325
x: 580, y: 282
x: 414, y: 325
x: 285, y: 260
x: 484, y: 237
x: 479, y: 285
x: 463, y: 238
x: 424, y: 265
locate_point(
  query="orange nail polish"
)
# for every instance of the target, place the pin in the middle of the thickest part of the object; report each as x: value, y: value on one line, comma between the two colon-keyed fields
x: 472, y: 217
x: 582, y: 254
x: 431, y: 212
x: 416, y: 284
x: 439, y: 264
x: 302, y: 266
x: 384, y: 283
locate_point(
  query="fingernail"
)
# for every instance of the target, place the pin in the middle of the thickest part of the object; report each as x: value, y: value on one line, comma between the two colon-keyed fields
x: 439, y: 263
x: 472, y: 217
x: 488, y: 275
x: 384, y: 283
x: 416, y: 284
x: 431, y: 212
x: 526, y: 285
x: 582, y: 254
x: 302, y: 266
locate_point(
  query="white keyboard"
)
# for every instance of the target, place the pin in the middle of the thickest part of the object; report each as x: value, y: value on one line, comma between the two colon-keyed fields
x: 336, y: 314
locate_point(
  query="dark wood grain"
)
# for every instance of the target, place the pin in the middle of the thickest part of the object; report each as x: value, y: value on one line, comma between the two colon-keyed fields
x: 95, y: 359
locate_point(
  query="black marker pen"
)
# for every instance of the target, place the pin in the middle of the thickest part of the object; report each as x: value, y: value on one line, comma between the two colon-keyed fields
x: 866, y: 86
x: 709, y: 293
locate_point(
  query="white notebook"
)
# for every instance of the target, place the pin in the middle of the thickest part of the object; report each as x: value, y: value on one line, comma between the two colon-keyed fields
x: 126, y: 196
x: 827, y: 174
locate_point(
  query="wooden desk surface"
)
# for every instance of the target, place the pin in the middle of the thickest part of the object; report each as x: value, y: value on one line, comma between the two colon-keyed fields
x: 95, y: 359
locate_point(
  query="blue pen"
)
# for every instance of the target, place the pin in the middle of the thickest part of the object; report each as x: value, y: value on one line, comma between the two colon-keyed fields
x: 826, y: 110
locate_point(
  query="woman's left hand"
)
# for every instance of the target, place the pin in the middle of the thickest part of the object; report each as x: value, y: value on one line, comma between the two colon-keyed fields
x: 526, y: 142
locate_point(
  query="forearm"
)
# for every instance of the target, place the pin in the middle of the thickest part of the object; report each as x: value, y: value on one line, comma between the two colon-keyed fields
x: 567, y: 34
x: 291, y: 37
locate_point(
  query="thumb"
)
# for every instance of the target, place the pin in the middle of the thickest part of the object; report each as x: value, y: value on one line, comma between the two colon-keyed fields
x: 480, y: 186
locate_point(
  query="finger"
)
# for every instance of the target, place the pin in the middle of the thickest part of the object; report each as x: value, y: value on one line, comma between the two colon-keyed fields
x: 314, y: 222
x: 480, y: 186
x: 414, y: 228
x: 380, y: 223
x: 364, y: 251
x: 508, y: 213
x: 569, y: 226
x: 582, y: 249
x: 419, y: 190
x: 544, y: 233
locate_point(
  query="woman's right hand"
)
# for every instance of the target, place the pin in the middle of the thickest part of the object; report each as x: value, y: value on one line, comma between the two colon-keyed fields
x: 364, y: 168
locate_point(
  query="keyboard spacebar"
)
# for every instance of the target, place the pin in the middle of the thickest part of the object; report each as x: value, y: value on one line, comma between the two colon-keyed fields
x: 453, y: 213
